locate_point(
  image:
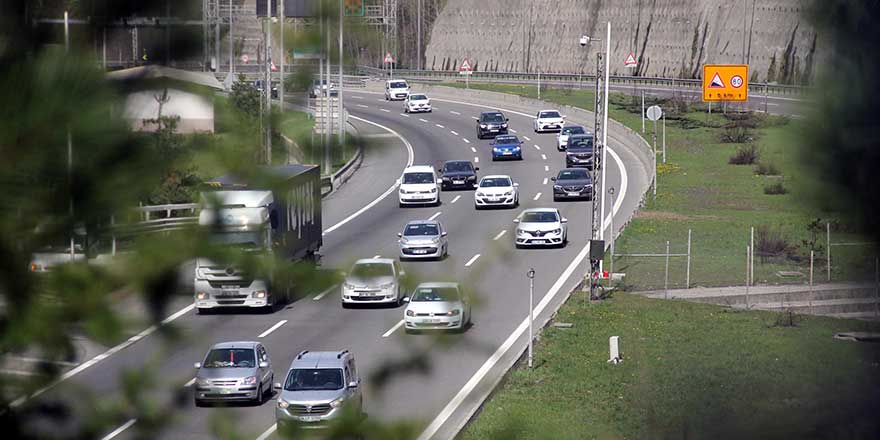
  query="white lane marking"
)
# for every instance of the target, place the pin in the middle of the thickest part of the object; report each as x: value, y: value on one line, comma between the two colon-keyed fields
x: 537, y: 196
x: 83, y: 366
x: 381, y: 100
x: 537, y: 147
x: 376, y: 257
x: 546, y: 167
x: 363, y: 106
x: 439, y: 126
x: 513, y: 131
x: 391, y: 330
x: 455, y: 199
x: 357, y: 97
x: 545, y: 181
x: 476, y: 118
x: 409, y: 162
x: 526, y: 138
x: 454, y: 133
x: 385, y: 110
x: 324, y: 293
x: 487, y: 366
x: 119, y: 430
x: 268, y: 432
x: 476, y: 160
x: 473, y: 149
x: 404, y: 115
x: 190, y: 383
x: 41, y: 361
x: 471, y: 261
x: 466, y: 141
x: 500, y: 234
x: 544, y: 156
x: 273, y: 328
x: 423, y: 119
x: 454, y: 112
x: 436, y: 214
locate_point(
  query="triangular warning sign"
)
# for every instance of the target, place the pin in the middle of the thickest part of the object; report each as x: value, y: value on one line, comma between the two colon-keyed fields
x: 716, y: 82
x: 630, y: 60
x: 388, y: 58
x: 465, y: 65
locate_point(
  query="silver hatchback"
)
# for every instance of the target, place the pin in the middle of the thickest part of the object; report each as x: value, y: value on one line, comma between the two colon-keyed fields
x: 234, y: 371
x: 423, y: 239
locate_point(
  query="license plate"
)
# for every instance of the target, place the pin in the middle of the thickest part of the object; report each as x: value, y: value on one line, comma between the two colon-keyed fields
x: 433, y: 321
x: 493, y: 199
x: 226, y: 391
x: 493, y: 129
x: 228, y: 293
x: 538, y: 241
x: 573, y: 194
x: 420, y: 251
x: 309, y: 418
x: 458, y: 182
x: 507, y: 153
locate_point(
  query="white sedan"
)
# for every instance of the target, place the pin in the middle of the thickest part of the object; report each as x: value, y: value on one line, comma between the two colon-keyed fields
x: 417, y: 102
x: 548, y: 120
x: 541, y: 227
x: 497, y: 190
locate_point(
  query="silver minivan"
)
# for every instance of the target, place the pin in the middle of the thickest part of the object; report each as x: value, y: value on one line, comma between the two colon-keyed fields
x: 318, y: 387
x: 234, y: 371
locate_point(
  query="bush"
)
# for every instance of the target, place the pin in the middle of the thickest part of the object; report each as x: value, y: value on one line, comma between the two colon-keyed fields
x: 766, y: 169
x: 770, y: 243
x: 745, y: 155
x: 775, y: 189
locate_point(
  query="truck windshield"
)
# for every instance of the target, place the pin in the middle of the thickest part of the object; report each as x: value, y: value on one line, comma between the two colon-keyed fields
x: 245, y: 239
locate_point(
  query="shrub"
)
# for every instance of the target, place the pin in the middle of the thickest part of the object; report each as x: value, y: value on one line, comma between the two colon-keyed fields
x: 775, y: 189
x: 745, y: 155
x: 770, y: 243
x: 766, y: 169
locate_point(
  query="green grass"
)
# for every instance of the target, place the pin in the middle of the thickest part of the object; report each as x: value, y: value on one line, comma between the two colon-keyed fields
x: 699, y: 190
x: 689, y: 371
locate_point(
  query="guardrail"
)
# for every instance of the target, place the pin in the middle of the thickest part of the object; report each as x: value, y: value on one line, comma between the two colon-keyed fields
x: 574, y: 79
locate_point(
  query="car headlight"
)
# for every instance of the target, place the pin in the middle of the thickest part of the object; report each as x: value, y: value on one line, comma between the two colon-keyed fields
x: 282, y: 403
x: 348, y: 285
x: 482, y: 125
x: 433, y: 190
x: 445, y: 179
x: 249, y: 380
x: 201, y: 295
x: 557, y: 187
x: 410, y: 313
x: 509, y: 193
x: 337, y: 403
x: 455, y: 312
x: 386, y: 286
x: 403, y: 191
x: 480, y: 194
x: 435, y: 240
x: 260, y: 294
x: 404, y: 240
x: 556, y: 231
x: 503, y: 125
x: 520, y: 232
x: 472, y: 178
x: 202, y: 381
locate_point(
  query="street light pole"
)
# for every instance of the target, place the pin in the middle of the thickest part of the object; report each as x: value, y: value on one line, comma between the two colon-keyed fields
x: 339, y: 93
x: 69, y: 140
x: 611, y: 221
x: 531, y: 275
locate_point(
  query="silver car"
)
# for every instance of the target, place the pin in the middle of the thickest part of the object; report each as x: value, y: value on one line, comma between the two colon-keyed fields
x: 423, y: 239
x: 318, y: 387
x: 437, y: 306
x: 373, y: 280
x: 234, y: 371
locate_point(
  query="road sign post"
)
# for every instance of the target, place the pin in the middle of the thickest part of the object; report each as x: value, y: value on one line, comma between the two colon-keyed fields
x: 466, y: 70
x: 654, y: 113
x: 390, y: 61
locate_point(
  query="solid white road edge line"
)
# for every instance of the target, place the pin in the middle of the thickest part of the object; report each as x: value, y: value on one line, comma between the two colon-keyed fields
x: 471, y: 261
x: 393, y: 329
x: 500, y: 234
x: 409, y: 162
x: 273, y: 328
x: 437, y: 214
x: 268, y: 432
x: 537, y: 196
x: 190, y: 383
x: 455, y: 199
x: 487, y: 366
x: 325, y: 292
x: 119, y: 430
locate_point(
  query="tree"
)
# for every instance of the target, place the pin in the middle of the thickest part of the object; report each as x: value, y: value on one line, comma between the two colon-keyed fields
x: 245, y: 97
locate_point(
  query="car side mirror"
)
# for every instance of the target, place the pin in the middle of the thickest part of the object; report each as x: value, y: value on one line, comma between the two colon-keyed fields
x: 264, y: 364
x: 406, y: 299
x: 564, y: 116
x: 402, y: 273
x: 399, y: 235
x: 516, y: 185
x: 443, y: 234
x: 277, y: 386
x: 353, y: 384
x: 506, y: 119
x: 516, y: 220
x: 197, y: 365
x: 564, y: 220
x: 553, y: 179
x: 476, y: 168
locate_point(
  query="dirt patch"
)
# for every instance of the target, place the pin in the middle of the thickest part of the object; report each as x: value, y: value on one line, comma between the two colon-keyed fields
x: 661, y: 215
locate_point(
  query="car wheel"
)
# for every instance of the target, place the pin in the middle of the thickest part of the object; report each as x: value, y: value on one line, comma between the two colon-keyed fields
x: 516, y: 202
x: 260, y: 395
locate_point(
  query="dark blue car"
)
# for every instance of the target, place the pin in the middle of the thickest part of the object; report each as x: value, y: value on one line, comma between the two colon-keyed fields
x: 506, y: 146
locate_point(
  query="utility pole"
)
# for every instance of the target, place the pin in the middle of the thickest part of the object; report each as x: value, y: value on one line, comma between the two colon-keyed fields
x: 531, y: 275
x: 231, y: 43
x: 69, y: 142
x: 281, y: 17
x: 339, y: 88
x: 267, y: 83
x: 419, y: 37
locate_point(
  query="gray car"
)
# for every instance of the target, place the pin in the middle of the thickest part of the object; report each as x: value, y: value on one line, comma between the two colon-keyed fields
x: 373, y: 280
x: 423, y: 239
x: 437, y: 306
x: 234, y: 371
x: 318, y: 387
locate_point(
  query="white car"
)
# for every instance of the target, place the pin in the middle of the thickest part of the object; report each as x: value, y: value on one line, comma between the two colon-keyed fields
x: 417, y: 102
x: 373, y: 280
x: 541, y: 227
x: 497, y: 190
x: 418, y: 186
x: 567, y: 130
x: 548, y: 120
x: 396, y: 89
x: 437, y: 306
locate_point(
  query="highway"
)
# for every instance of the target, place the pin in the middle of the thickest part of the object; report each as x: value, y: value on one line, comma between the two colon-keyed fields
x: 361, y: 220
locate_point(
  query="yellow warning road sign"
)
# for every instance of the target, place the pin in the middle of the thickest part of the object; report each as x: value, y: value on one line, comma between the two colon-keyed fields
x: 725, y: 82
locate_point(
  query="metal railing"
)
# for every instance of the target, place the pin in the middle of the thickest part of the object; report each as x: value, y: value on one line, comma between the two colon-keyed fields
x: 575, y: 80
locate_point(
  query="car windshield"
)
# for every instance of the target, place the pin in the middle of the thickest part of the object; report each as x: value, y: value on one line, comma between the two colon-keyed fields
x: 230, y: 358
x: 585, y: 142
x: 417, y: 97
x: 458, y: 166
x: 551, y: 114
x: 418, y: 178
x: 573, y: 175
x: 398, y: 85
x: 371, y: 270
x: 506, y: 140
x: 300, y: 379
x: 492, y: 117
x: 421, y: 229
x: 573, y: 130
x: 539, y: 217
x: 494, y: 181
x: 431, y: 294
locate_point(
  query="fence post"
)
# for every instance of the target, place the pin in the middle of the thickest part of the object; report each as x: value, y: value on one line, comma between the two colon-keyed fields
x: 666, y: 277
x: 687, y: 277
x: 828, y: 249
x: 811, y: 282
x: 752, y: 259
x: 748, y: 256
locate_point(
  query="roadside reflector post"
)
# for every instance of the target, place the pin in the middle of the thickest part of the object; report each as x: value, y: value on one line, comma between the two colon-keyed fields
x: 614, y: 350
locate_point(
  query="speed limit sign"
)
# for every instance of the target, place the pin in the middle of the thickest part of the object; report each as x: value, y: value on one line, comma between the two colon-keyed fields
x: 244, y: 59
x: 736, y: 81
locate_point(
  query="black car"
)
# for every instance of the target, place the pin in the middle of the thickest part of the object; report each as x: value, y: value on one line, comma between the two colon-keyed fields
x: 573, y: 183
x: 458, y: 174
x: 579, y: 151
x: 491, y: 124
